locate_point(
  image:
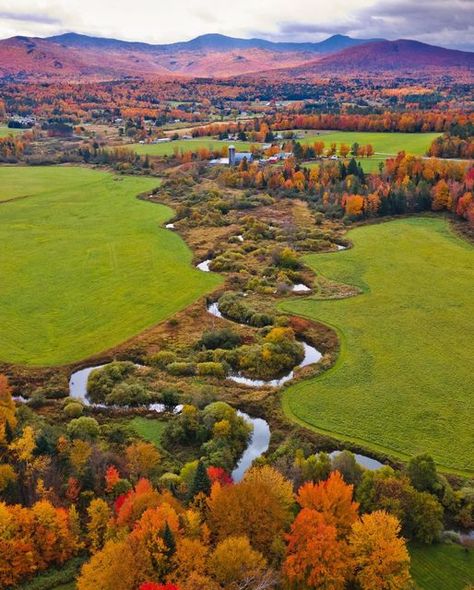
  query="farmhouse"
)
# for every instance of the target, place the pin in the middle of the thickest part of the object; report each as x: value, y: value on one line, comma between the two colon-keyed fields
x: 235, y: 158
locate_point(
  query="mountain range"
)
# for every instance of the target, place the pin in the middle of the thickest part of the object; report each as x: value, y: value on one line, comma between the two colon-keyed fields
x: 73, y: 56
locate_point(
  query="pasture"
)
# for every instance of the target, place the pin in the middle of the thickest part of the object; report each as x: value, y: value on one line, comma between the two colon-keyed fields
x: 385, y: 144
x: 186, y: 145
x: 441, y: 567
x: 85, y: 265
x: 402, y: 383
x: 149, y: 429
x: 6, y: 131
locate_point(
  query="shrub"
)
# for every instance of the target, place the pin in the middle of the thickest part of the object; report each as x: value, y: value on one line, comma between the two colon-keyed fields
x: 84, y: 428
x: 224, y: 338
x: 128, y: 394
x: 211, y: 369
x: 102, y: 381
x: 73, y: 410
x: 181, y: 369
x: 162, y: 359
x: 260, y: 320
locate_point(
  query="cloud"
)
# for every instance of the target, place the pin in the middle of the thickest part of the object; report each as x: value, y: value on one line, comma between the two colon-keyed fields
x: 444, y: 22
x: 29, y: 18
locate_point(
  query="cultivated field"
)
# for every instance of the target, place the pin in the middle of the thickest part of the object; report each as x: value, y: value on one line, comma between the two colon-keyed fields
x: 403, y: 380
x: 186, y: 145
x: 442, y: 567
x: 85, y: 265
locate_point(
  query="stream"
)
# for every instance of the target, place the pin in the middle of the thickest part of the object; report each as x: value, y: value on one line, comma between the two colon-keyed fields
x: 311, y: 356
x: 259, y: 439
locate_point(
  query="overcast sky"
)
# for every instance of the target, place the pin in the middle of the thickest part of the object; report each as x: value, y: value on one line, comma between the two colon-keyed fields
x: 443, y: 22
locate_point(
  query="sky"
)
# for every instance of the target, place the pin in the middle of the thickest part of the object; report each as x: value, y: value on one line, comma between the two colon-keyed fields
x: 449, y: 23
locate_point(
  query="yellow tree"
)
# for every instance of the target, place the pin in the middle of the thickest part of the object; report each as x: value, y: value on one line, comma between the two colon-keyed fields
x: 258, y: 507
x: 381, y: 557
x: 99, y: 515
x: 234, y: 561
x: 142, y: 458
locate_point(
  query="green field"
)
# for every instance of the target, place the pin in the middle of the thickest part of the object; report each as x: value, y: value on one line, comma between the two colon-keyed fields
x: 149, y: 429
x: 442, y: 567
x: 403, y: 380
x: 5, y: 131
x: 384, y: 144
x: 85, y: 265
x: 186, y: 145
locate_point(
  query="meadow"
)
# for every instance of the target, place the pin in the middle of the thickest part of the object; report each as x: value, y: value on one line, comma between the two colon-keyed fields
x: 441, y: 567
x: 384, y: 144
x: 186, y: 145
x: 85, y: 265
x: 402, y: 383
x: 149, y: 429
x: 6, y: 131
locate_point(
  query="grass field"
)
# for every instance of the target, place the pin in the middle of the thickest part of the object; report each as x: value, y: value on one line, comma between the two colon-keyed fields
x: 186, y: 145
x: 149, y: 429
x: 85, y: 265
x: 442, y: 567
x: 5, y: 131
x: 403, y: 380
x: 385, y: 144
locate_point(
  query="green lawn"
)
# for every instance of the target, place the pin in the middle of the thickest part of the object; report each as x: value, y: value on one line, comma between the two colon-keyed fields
x: 5, y: 131
x: 442, y: 567
x: 403, y: 380
x: 186, y: 145
x: 369, y: 165
x: 85, y: 265
x: 149, y: 429
x: 386, y: 144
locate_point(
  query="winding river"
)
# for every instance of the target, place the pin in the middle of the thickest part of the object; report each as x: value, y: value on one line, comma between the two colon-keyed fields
x: 257, y: 445
x: 311, y: 356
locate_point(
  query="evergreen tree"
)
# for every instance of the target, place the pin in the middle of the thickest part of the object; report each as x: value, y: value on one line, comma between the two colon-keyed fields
x: 201, y: 482
x: 169, y: 540
x: 352, y: 168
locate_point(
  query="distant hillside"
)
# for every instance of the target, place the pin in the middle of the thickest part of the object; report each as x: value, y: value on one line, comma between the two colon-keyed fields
x: 211, y: 42
x: 72, y: 56
x: 388, y: 56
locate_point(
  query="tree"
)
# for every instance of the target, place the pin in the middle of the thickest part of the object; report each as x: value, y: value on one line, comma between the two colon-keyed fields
x: 441, y: 196
x: 258, y: 507
x: 201, y: 482
x: 381, y: 557
x: 424, y: 517
x: 7, y: 410
x: 316, y: 557
x: 233, y: 561
x: 333, y: 499
x: 422, y: 473
x: 84, y: 428
x: 344, y: 150
x: 115, y: 567
x: 345, y: 463
x: 99, y: 515
x: 143, y: 459
x: 112, y: 477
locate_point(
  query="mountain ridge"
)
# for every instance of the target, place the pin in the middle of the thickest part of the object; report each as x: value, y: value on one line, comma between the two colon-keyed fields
x: 73, y: 57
